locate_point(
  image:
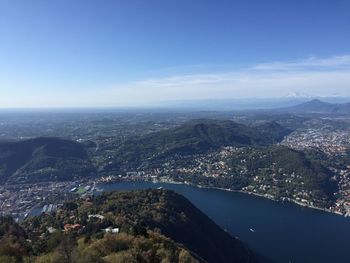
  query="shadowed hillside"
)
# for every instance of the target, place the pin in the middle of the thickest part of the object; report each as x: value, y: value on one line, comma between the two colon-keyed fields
x: 43, y: 159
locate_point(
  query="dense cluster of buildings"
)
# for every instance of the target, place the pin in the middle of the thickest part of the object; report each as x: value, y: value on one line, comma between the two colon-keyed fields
x: 342, y: 204
x: 19, y: 200
x: 329, y: 142
x: 333, y: 143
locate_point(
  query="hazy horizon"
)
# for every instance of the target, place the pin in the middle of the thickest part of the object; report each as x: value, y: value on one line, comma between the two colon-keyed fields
x: 85, y: 54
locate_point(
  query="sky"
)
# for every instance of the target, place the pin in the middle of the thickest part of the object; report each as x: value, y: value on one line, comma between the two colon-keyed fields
x: 72, y: 53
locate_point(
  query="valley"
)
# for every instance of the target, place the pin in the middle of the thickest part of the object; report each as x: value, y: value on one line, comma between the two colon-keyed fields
x: 300, y: 158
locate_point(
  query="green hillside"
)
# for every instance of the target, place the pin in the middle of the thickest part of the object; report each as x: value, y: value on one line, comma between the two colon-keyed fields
x: 194, y: 137
x: 43, y: 159
x: 290, y: 172
x: 154, y: 226
x: 275, y: 171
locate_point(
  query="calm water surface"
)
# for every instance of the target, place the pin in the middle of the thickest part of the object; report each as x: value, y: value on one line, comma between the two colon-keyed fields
x: 283, y: 232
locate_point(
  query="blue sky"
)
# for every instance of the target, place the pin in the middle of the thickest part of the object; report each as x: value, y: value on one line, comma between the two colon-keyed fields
x: 131, y: 53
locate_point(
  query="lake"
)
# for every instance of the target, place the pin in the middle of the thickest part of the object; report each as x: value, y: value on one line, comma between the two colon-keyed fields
x: 283, y: 232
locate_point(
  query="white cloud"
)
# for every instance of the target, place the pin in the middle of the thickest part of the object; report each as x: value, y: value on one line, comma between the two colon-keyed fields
x: 308, y: 63
x: 316, y: 76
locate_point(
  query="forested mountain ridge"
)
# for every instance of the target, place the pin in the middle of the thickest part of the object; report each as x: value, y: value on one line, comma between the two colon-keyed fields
x: 196, y: 137
x: 43, y: 159
x: 153, y: 226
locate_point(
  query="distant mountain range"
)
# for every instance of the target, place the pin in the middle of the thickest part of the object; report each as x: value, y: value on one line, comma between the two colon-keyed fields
x: 318, y: 106
x: 290, y: 100
x: 43, y: 159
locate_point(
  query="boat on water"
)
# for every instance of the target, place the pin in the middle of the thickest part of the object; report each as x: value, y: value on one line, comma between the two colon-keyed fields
x: 251, y: 230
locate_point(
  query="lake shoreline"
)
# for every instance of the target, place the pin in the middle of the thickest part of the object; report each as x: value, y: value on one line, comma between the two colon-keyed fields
x: 249, y: 193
